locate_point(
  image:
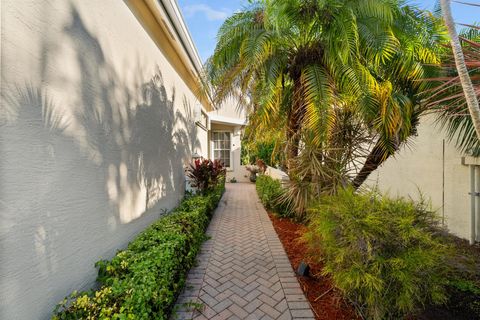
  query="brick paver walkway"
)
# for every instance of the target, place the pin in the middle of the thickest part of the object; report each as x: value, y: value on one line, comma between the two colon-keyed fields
x: 243, y: 271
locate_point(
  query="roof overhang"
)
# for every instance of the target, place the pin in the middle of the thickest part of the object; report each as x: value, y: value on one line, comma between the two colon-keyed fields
x: 176, y: 18
x: 470, y: 161
x: 164, y: 23
x: 227, y: 120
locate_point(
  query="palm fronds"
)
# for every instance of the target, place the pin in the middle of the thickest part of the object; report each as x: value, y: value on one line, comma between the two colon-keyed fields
x: 448, y: 100
x: 308, y: 64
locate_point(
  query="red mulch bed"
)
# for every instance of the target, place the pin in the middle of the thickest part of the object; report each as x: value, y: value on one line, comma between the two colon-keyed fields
x: 327, y: 303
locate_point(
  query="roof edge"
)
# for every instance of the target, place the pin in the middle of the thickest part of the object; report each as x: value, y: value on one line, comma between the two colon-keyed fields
x: 163, y: 21
x: 176, y: 18
x: 227, y: 120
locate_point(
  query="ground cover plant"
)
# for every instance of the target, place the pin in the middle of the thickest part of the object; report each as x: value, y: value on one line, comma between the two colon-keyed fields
x: 144, y: 280
x: 463, y: 284
x: 388, y: 257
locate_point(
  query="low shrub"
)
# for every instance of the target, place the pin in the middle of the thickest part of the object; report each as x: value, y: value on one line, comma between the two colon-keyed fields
x: 270, y: 191
x: 382, y: 253
x: 143, y: 281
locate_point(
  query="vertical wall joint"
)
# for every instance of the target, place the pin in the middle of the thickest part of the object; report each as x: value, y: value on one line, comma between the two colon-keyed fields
x: 474, y: 201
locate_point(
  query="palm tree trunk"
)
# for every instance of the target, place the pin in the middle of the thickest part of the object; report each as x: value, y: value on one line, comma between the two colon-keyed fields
x: 468, y: 90
x: 374, y: 159
x: 294, y: 124
x: 293, y: 139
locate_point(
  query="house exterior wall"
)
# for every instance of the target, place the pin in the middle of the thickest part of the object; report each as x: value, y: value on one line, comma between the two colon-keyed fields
x: 419, y: 169
x: 203, y: 147
x: 96, y: 126
x: 230, y: 109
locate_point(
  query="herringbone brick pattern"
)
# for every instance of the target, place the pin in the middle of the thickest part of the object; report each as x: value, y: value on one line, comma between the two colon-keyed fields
x: 243, y: 271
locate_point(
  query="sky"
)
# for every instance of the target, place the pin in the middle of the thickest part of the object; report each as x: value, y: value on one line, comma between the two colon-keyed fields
x: 204, y: 18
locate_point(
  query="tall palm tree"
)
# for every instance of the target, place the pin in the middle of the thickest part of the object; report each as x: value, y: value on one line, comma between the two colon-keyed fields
x: 448, y: 99
x: 305, y: 60
x: 468, y: 89
x: 293, y: 57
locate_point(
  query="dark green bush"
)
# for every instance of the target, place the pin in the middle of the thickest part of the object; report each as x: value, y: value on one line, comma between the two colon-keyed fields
x: 270, y: 191
x: 464, y: 280
x: 382, y: 253
x: 464, y: 298
x: 143, y: 281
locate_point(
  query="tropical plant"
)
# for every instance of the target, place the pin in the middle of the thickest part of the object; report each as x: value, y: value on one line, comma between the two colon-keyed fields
x: 463, y: 74
x: 265, y: 151
x: 264, y: 142
x: 290, y: 57
x: 396, y: 104
x: 205, y: 174
x: 270, y: 192
x: 448, y: 99
x: 298, y: 64
x: 384, y: 254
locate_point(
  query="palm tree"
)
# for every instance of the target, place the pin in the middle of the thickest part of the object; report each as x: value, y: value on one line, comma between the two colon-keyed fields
x: 293, y: 57
x: 448, y: 99
x: 468, y: 89
x: 398, y: 101
x: 313, y: 63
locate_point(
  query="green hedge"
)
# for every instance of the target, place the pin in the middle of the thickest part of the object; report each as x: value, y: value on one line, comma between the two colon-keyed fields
x: 384, y: 254
x: 270, y: 191
x: 144, y: 280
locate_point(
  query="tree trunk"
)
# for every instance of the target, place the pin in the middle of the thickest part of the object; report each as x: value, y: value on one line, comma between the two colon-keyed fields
x: 374, y: 159
x: 294, y: 125
x: 293, y: 139
x: 468, y: 90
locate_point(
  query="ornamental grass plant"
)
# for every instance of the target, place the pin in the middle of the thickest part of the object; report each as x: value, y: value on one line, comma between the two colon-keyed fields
x: 384, y: 254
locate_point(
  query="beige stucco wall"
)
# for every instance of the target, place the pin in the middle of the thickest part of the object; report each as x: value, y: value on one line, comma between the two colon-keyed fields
x: 202, y: 148
x: 95, y: 128
x: 418, y: 168
x: 230, y: 109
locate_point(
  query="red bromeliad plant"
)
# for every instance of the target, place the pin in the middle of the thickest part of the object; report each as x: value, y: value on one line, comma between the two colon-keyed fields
x: 205, y: 174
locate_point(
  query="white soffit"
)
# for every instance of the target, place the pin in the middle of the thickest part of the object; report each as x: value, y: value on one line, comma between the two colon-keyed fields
x: 227, y: 120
